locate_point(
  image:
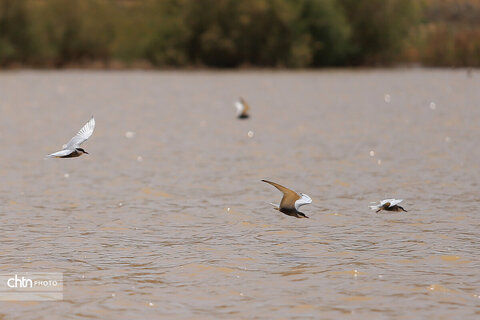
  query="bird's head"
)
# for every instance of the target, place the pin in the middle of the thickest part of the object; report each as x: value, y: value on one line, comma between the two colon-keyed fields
x: 81, y: 150
x: 301, y: 215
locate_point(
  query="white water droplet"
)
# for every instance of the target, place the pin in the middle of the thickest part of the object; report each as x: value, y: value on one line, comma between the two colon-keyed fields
x: 433, y: 106
x: 228, y: 209
x: 379, y: 162
x: 66, y: 176
x: 387, y: 98
x: 372, y: 153
x: 139, y: 158
x: 113, y: 294
x: 151, y: 304
x: 129, y: 134
x: 250, y: 134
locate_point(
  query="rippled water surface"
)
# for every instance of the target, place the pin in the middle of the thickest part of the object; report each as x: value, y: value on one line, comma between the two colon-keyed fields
x: 174, y: 222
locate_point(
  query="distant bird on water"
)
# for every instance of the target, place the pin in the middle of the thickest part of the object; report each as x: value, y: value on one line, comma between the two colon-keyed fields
x: 388, y: 205
x: 242, y: 109
x: 291, y: 201
x: 72, y: 148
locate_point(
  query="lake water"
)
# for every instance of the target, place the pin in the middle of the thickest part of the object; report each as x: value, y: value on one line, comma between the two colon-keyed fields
x: 174, y: 222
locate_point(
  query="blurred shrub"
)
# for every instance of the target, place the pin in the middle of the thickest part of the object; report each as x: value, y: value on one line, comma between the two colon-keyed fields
x: 165, y: 38
x: 15, y: 36
x: 212, y: 32
x: 380, y: 28
x: 450, y: 35
x: 320, y: 34
x: 266, y: 33
x: 232, y: 33
x: 73, y: 31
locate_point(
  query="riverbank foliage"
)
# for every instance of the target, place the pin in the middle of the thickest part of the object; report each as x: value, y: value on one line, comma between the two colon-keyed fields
x: 232, y: 33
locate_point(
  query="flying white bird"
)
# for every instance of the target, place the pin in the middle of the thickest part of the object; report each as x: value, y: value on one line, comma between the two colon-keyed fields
x: 242, y: 109
x: 388, y: 205
x: 72, y: 148
x: 291, y: 201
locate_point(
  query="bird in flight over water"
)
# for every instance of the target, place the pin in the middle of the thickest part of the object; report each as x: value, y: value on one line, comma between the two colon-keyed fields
x: 388, y: 205
x: 72, y: 148
x: 242, y: 109
x: 291, y: 201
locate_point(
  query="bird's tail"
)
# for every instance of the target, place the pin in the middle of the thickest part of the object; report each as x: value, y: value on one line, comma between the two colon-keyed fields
x: 275, y: 206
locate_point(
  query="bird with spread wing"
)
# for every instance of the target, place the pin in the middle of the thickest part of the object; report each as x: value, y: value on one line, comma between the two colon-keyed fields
x: 72, y: 148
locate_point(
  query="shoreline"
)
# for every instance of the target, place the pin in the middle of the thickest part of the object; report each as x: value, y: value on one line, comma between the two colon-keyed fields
x: 150, y: 68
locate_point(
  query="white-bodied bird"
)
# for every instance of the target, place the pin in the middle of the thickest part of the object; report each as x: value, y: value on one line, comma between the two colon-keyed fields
x: 291, y: 201
x: 72, y: 148
x: 242, y: 109
x: 388, y: 205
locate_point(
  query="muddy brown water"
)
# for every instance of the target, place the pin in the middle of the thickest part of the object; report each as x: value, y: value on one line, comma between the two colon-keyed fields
x: 174, y: 222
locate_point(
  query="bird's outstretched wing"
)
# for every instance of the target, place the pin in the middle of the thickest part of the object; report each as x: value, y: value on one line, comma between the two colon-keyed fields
x: 384, y: 204
x: 81, y: 136
x: 58, y: 154
x: 239, y: 107
x: 390, y: 202
x: 246, y: 106
x: 289, y: 196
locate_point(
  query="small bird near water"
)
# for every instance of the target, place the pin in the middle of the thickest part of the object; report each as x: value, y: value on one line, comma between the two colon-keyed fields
x: 388, y: 205
x: 242, y: 109
x: 291, y: 201
x: 72, y: 148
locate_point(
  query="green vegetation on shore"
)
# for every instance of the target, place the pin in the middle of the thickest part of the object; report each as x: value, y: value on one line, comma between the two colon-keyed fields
x: 234, y: 33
